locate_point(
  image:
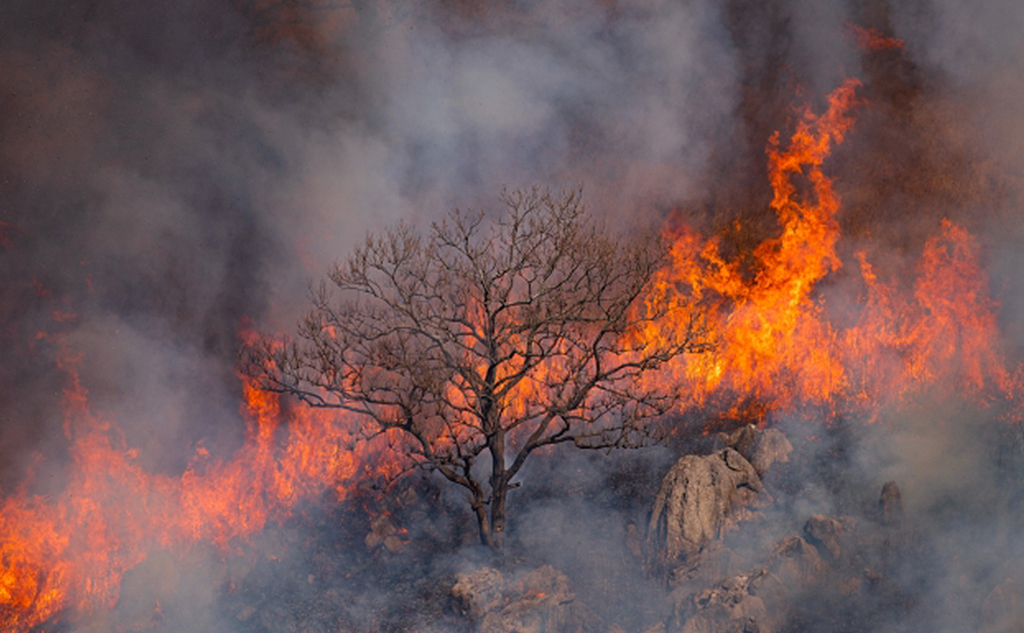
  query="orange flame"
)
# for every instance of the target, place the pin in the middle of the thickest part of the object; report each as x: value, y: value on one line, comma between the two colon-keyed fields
x: 772, y: 340
x: 71, y: 551
x: 945, y: 330
x: 869, y: 39
x: 775, y: 342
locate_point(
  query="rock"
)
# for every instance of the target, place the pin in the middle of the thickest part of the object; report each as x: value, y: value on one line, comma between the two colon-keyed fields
x: 383, y: 532
x: 541, y: 601
x: 742, y: 440
x: 761, y: 448
x: 479, y: 592
x: 823, y: 532
x: 697, y: 498
x: 698, y: 572
x: 796, y: 562
x: 730, y: 607
x: 890, y: 503
x: 394, y: 544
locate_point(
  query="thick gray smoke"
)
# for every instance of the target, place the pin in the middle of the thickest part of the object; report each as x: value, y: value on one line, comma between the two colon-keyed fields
x: 172, y: 171
x: 169, y: 171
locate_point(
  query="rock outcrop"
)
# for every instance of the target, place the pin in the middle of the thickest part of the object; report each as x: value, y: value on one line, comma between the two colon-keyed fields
x: 835, y: 571
x: 890, y: 503
x: 698, y: 499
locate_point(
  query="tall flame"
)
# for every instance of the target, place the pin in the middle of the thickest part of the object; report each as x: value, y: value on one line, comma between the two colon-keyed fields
x: 775, y: 342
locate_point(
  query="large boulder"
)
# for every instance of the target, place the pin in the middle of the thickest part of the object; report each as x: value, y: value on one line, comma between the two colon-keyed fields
x: 698, y: 500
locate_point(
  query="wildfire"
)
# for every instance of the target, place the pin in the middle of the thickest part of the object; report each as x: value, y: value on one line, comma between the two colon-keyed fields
x: 775, y: 343
x: 72, y: 551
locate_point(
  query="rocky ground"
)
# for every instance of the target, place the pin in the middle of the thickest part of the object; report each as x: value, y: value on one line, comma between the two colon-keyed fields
x: 724, y: 569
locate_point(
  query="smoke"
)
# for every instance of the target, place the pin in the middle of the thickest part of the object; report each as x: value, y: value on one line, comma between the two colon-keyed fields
x: 169, y: 174
x: 974, y: 52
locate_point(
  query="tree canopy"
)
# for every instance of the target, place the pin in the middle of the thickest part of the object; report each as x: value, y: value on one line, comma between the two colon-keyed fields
x: 486, y: 339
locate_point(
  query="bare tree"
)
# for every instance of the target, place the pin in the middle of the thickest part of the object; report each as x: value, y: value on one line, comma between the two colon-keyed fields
x: 486, y: 341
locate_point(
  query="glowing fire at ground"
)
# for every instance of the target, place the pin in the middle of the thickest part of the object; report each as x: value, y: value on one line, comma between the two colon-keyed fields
x: 775, y: 344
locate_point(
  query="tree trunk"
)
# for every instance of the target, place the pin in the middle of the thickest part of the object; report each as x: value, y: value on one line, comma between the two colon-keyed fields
x: 499, y: 491
x: 482, y: 521
x: 498, y: 497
